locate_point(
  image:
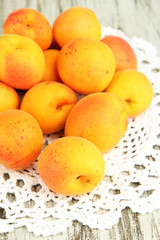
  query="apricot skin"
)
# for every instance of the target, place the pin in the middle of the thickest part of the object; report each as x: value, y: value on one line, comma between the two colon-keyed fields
x: 51, y: 72
x: 86, y: 65
x: 134, y: 88
x: 50, y: 103
x: 76, y: 22
x: 30, y: 23
x: 21, y: 139
x: 22, y: 61
x: 71, y: 166
x: 124, y: 54
x: 99, y: 117
x: 9, y: 98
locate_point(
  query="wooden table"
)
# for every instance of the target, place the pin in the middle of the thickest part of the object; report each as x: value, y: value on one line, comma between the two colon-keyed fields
x: 133, y: 17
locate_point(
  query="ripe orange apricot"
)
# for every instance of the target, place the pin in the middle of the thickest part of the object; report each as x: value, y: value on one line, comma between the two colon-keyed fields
x: 50, y: 103
x: 134, y: 88
x: 9, y: 98
x: 123, y: 52
x: 30, y: 23
x: 71, y: 166
x: 86, y: 65
x: 21, y: 139
x: 22, y: 61
x: 76, y: 22
x: 51, y: 72
x: 99, y: 117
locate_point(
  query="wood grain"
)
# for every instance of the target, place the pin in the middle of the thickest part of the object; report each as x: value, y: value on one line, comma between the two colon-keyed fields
x: 132, y: 226
x: 135, y: 18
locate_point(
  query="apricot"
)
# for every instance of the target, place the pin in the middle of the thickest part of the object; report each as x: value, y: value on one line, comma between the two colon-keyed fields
x: 30, y: 23
x: 51, y: 72
x: 134, y: 88
x: 123, y: 52
x: 76, y: 22
x: 9, y: 98
x: 21, y: 139
x: 50, y: 103
x: 86, y: 65
x: 22, y: 61
x: 99, y: 117
x: 71, y: 166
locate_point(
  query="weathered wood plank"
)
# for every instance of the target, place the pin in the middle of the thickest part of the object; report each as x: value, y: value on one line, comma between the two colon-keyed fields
x: 132, y: 226
x: 140, y: 18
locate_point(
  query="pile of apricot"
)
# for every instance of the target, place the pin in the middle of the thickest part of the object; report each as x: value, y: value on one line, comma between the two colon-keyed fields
x: 51, y: 66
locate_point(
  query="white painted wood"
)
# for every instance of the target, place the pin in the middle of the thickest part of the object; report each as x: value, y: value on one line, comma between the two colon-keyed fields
x: 134, y: 17
x: 132, y: 226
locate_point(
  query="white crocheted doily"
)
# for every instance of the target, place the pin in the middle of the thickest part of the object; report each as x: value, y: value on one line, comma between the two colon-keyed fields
x: 132, y: 176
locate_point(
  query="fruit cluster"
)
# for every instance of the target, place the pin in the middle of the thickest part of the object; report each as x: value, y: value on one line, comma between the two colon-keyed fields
x: 51, y: 65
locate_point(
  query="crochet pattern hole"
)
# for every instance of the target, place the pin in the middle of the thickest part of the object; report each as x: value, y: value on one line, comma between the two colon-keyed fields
x: 50, y: 204
x: 139, y: 167
x: 135, y: 184
x: 146, y: 194
x: 6, y: 176
x: 20, y: 183
x: 11, y: 197
x: 155, y: 70
x: 150, y: 158
x: 72, y: 202
x: 114, y: 191
x: 36, y: 188
x: 124, y: 173
x: 156, y: 147
x: 2, y: 213
x: 145, y: 62
x: 29, y: 204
